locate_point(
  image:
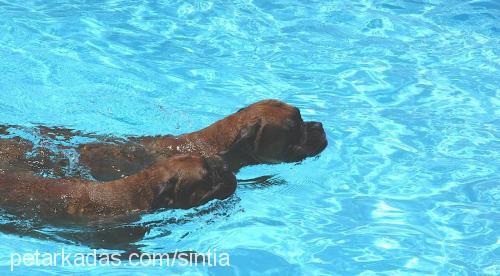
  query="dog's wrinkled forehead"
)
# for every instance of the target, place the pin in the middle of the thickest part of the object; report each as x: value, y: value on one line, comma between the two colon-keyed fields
x: 274, y: 112
x: 190, y: 168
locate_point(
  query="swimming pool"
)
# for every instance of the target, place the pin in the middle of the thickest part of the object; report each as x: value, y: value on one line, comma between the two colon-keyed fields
x: 406, y: 90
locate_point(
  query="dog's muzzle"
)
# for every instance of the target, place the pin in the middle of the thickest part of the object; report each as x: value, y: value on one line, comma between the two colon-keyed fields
x: 312, y: 142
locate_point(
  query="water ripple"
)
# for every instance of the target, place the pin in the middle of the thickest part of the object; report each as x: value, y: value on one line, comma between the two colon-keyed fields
x: 408, y: 92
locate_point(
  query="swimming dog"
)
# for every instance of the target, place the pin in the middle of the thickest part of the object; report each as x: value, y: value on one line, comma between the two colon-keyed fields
x: 181, y: 181
x: 266, y: 132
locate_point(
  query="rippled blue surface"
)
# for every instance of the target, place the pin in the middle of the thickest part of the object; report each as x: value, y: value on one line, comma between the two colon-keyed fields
x: 408, y: 92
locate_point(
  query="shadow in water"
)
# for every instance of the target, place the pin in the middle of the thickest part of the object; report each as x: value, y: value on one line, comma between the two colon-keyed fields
x: 261, y: 182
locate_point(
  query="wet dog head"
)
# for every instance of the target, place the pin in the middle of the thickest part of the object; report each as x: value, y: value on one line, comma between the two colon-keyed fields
x: 274, y: 132
x: 195, y: 181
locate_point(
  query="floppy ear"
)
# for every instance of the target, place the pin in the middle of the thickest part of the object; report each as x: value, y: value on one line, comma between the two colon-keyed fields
x: 258, y: 140
x: 164, y: 195
x: 246, y: 140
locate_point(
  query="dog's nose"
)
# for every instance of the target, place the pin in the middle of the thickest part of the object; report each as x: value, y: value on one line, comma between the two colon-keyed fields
x: 316, y: 125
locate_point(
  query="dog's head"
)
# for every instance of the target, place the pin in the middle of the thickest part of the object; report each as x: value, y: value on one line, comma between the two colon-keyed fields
x: 274, y: 132
x: 195, y: 181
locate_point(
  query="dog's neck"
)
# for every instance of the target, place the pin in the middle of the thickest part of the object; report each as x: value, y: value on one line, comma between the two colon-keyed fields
x: 211, y: 140
x: 217, y: 139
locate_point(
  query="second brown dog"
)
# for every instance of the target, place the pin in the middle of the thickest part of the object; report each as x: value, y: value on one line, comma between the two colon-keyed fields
x: 182, y: 181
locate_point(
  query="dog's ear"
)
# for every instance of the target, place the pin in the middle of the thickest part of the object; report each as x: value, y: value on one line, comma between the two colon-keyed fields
x: 269, y: 142
x: 263, y: 138
x: 164, y: 195
x: 246, y: 140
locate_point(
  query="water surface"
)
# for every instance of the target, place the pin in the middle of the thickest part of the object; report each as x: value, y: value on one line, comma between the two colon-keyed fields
x: 408, y: 92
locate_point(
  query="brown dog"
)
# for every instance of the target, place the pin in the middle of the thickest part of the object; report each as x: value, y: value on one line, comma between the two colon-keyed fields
x: 182, y: 181
x: 266, y: 132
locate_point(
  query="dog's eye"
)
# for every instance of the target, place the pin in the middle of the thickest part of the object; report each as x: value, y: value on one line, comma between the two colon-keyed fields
x: 290, y: 124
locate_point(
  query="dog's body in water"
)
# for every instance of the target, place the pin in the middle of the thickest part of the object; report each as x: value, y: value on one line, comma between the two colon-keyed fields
x: 141, y: 174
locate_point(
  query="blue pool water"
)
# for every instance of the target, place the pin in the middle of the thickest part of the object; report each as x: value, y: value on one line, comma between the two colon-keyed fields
x: 408, y: 92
